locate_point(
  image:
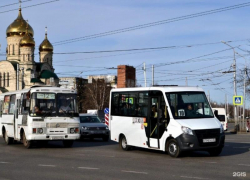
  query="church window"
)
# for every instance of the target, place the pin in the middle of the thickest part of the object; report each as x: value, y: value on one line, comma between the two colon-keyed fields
x: 8, y: 80
x: 3, y: 79
x: 13, y: 49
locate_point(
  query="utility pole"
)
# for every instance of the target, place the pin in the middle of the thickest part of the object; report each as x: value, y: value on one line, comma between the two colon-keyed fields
x: 22, y: 69
x: 144, y: 69
x: 227, y: 108
x: 186, y: 81
x: 152, y: 75
x: 244, y: 99
x: 208, y: 96
x: 226, y: 103
x: 17, y: 77
x: 235, y: 91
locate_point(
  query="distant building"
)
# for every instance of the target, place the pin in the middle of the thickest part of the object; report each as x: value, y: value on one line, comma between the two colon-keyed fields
x: 125, y: 76
x: 112, y: 79
x: 20, y: 70
x: 72, y: 82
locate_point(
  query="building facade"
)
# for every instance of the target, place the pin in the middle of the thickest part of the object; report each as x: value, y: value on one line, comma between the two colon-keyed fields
x: 126, y: 76
x: 20, y: 70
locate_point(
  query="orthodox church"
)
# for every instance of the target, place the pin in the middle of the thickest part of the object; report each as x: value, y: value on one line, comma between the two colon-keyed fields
x: 19, y: 70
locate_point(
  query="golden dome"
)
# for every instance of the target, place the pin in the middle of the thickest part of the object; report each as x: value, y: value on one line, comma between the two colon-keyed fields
x: 46, y: 45
x: 18, y: 27
x: 27, y: 40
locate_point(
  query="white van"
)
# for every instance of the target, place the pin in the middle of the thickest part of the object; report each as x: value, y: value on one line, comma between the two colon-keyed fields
x: 172, y: 119
x: 222, y: 117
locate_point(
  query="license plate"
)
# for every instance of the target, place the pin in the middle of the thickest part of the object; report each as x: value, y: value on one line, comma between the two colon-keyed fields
x: 57, y: 137
x: 209, y: 140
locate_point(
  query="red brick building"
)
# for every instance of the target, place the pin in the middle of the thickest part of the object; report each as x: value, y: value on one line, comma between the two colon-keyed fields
x: 125, y: 76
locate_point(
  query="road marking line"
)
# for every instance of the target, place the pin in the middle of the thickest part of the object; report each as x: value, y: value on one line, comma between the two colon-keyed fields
x: 244, y: 164
x: 189, y: 177
x: 89, y: 168
x: 208, y: 162
x: 242, y: 147
x: 4, y: 162
x: 134, y: 172
x: 44, y: 165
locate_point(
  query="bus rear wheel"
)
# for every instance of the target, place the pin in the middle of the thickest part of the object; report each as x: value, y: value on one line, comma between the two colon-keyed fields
x: 123, y: 143
x: 173, y: 148
x: 7, y: 139
x: 27, y: 144
x: 68, y: 143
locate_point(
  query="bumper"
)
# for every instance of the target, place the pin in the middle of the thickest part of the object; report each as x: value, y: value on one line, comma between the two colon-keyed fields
x: 54, y: 137
x: 95, y: 134
x: 191, y: 143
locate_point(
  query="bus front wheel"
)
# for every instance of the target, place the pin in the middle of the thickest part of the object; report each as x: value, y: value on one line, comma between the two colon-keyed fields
x: 172, y: 148
x: 123, y: 143
x: 26, y: 143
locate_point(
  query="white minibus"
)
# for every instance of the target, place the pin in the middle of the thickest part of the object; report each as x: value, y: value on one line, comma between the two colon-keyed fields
x: 39, y: 114
x: 170, y: 118
x: 222, y: 117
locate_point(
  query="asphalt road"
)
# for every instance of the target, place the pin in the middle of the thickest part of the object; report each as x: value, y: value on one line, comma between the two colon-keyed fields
x: 100, y: 160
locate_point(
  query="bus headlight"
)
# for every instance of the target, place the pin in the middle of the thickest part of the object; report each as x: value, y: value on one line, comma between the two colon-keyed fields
x: 186, y: 130
x: 40, y: 130
x: 221, y: 129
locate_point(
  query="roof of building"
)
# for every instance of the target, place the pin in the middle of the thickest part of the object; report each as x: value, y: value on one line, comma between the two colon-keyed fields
x: 46, y: 74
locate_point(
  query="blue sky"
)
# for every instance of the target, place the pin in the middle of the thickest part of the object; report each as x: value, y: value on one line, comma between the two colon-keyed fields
x: 67, y: 19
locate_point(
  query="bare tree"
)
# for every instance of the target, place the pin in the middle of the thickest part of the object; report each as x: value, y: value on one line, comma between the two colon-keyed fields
x: 96, y: 95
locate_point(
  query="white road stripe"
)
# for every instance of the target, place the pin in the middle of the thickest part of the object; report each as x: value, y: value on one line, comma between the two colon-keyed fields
x: 4, y: 162
x: 242, y: 147
x: 89, y: 168
x: 189, y: 177
x: 45, y: 165
x: 208, y: 162
x: 244, y: 164
x: 134, y: 172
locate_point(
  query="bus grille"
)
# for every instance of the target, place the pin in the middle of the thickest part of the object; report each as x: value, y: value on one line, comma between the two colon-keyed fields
x: 206, y: 134
x: 61, y: 125
x: 97, y: 128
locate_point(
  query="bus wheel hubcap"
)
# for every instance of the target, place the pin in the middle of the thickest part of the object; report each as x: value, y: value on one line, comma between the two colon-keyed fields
x: 172, y: 148
x: 124, y: 143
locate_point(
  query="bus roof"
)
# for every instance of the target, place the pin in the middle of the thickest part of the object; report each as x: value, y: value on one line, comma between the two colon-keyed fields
x: 42, y: 89
x: 161, y: 88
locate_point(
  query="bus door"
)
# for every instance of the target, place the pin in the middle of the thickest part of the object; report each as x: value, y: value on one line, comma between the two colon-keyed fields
x: 155, y: 116
x: 16, y: 117
x: 12, y: 107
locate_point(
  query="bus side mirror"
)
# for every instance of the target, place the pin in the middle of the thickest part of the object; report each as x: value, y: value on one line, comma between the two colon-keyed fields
x: 216, y: 114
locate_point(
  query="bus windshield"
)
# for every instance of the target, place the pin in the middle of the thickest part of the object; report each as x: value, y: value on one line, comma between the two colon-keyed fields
x: 51, y: 104
x: 189, y: 105
x: 67, y: 105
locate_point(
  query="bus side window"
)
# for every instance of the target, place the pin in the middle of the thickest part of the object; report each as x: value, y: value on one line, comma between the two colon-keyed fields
x: 6, y: 104
x: 25, y: 103
x: 12, y: 104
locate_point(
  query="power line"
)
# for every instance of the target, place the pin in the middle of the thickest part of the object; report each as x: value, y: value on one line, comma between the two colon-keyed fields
x: 29, y: 6
x: 132, y: 28
x: 13, y: 4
